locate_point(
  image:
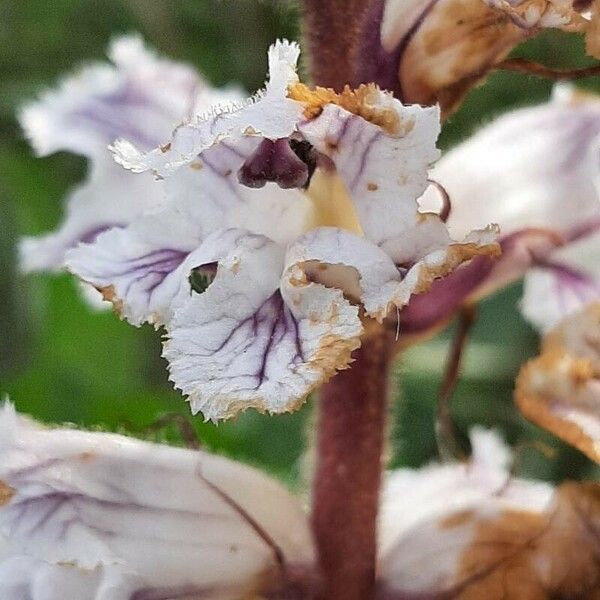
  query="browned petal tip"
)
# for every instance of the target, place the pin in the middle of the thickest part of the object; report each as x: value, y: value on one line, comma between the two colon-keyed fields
x: 456, y: 255
x: 362, y: 101
x: 6, y: 493
x: 560, y: 389
x: 109, y: 294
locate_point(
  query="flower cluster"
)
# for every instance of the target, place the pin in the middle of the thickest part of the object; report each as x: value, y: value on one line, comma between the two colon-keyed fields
x: 102, y: 516
x: 269, y: 237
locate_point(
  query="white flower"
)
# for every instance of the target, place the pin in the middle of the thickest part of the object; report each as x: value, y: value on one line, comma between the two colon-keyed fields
x: 139, y: 96
x: 471, y: 531
x: 535, y: 172
x: 299, y: 204
x: 560, y: 389
x: 96, y: 516
x: 103, y: 517
x: 440, y: 49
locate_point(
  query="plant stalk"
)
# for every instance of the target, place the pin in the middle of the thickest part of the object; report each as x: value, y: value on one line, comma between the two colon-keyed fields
x: 350, y: 442
x: 332, y: 30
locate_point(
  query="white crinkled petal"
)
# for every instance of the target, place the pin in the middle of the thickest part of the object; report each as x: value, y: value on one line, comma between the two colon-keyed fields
x: 440, y: 255
x: 140, y: 96
x: 559, y: 390
x: 143, y: 270
x: 569, y: 281
x: 421, y: 550
x: 344, y: 260
x: 160, y: 515
x: 269, y: 114
x: 384, y: 171
x: 138, y: 267
x: 244, y: 343
x: 534, y: 167
x: 110, y: 198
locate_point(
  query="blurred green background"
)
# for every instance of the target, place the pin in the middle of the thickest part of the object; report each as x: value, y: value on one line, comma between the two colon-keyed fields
x: 61, y: 361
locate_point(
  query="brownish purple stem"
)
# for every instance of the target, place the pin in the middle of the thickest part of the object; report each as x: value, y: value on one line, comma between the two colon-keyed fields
x: 332, y: 33
x: 350, y: 442
x: 522, y: 65
x: 448, y: 446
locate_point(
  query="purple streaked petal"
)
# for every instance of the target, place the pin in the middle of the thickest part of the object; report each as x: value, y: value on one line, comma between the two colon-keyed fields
x: 139, y: 96
x: 563, y: 282
x: 270, y: 114
x: 144, y: 269
x: 140, y: 280
x: 244, y: 343
x: 111, y: 198
x: 365, y: 156
x: 533, y: 167
x: 167, y: 517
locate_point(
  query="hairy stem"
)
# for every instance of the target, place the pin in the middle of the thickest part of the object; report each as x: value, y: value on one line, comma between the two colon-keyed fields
x: 332, y: 31
x: 350, y: 438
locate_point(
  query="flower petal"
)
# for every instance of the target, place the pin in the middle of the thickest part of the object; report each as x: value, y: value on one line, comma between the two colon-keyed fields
x: 142, y: 97
x: 564, y: 283
x: 524, y: 168
x: 269, y: 114
x: 473, y: 531
x: 243, y: 343
x: 110, y: 198
x: 560, y: 389
x: 170, y: 518
x: 471, y: 36
x: 343, y: 260
x: 144, y: 270
x: 383, y: 170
